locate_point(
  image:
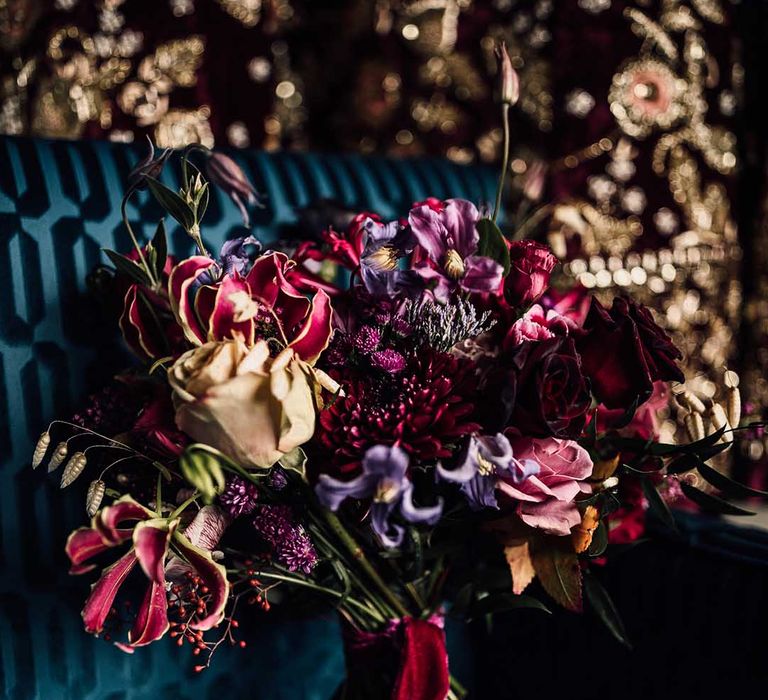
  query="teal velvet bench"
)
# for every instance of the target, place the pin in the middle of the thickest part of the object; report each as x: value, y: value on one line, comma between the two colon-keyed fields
x: 59, y: 205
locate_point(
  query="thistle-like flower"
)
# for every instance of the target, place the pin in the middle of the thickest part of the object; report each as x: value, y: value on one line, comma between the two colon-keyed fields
x: 441, y: 326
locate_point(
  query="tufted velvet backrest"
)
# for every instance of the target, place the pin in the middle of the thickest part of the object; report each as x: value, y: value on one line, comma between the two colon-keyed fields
x: 59, y: 205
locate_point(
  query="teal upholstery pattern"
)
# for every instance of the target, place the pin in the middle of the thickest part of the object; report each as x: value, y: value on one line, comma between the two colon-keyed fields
x: 59, y: 205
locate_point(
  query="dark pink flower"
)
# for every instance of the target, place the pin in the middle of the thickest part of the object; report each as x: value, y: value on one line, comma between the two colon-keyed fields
x: 531, y: 264
x: 261, y: 304
x: 154, y: 540
x: 546, y: 500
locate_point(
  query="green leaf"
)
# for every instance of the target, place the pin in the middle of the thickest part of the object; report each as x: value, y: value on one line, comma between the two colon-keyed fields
x: 606, y: 610
x: 127, y: 267
x: 711, y: 503
x: 727, y: 486
x: 683, y: 463
x: 295, y: 461
x: 599, y: 541
x: 202, y: 469
x: 658, y: 505
x: 492, y: 244
x: 499, y: 602
x: 172, y: 202
x: 557, y: 567
x: 159, y: 247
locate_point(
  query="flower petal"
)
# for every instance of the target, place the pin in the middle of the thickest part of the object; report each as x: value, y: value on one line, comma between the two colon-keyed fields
x: 315, y: 334
x: 134, y: 326
x: 103, y: 592
x: 83, y: 544
x: 459, y: 218
x: 481, y: 274
x: 222, y: 322
x: 125, y: 509
x: 331, y: 492
x: 429, y: 231
x: 428, y: 515
x: 213, y: 575
x: 181, y: 278
x: 152, y: 619
x: 150, y: 540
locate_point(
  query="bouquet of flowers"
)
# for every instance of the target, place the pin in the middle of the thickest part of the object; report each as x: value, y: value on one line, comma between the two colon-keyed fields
x: 426, y: 438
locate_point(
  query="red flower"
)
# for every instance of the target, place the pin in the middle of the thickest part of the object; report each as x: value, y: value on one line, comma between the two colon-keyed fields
x: 424, y: 410
x: 262, y: 303
x: 152, y: 539
x: 531, y: 265
x: 624, y: 352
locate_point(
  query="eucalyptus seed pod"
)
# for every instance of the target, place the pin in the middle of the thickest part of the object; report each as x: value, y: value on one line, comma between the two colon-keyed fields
x: 694, y: 426
x: 59, y: 455
x: 718, y: 420
x: 73, y: 468
x: 40, y: 449
x: 95, y: 496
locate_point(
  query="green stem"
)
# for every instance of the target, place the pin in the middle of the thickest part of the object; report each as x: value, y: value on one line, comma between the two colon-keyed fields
x: 134, y: 240
x: 312, y: 586
x: 183, y: 506
x: 504, y: 159
x: 457, y: 688
x: 358, y: 555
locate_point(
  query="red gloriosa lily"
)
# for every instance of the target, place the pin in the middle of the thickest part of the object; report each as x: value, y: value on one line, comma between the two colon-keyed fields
x: 262, y: 303
x: 153, y: 541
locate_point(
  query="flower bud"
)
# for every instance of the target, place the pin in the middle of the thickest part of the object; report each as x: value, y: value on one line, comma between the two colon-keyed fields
x: 149, y: 166
x: 229, y: 176
x: 509, y: 80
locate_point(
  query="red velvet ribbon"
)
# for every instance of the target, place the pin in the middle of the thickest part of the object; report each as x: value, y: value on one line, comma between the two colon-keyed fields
x: 417, y: 646
x: 423, y: 662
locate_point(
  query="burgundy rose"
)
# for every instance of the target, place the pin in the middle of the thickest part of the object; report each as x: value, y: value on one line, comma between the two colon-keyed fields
x: 624, y: 352
x: 545, y: 392
x: 531, y: 265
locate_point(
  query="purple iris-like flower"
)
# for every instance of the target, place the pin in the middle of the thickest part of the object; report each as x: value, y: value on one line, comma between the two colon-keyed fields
x: 233, y: 258
x: 384, y: 245
x: 449, y: 236
x: 487, y: 458
x: 385, y: 479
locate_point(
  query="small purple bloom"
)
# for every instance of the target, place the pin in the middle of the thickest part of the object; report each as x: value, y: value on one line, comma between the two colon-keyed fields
x: 239, y: 497
x: 384, y: 245
x: 148, y: 166
x: 288, y: 540
x: 449, y: 236
x: 385, y: 479
x: 486, y: 459
x: 229, y: 176
x: 367, y: 339
x: 389, y: 360
x: 234, y: 255
x: 278, y: 479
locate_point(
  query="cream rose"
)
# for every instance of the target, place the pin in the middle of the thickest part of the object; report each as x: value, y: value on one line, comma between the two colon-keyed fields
x: 252, y: 407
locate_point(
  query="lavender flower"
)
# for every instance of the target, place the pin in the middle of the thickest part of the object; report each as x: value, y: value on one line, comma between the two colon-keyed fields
x: 384, y: 478
x: 441, y: 326
x: 384, y: 245
x: 239, y: 497
x: 289, y: 542
x: 485, y: 460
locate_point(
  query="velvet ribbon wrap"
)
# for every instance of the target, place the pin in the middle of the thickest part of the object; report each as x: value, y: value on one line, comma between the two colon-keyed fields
x: 405, y: 661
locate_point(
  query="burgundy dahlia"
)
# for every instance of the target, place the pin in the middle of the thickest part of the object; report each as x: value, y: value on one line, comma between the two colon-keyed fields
x: 425, y: 409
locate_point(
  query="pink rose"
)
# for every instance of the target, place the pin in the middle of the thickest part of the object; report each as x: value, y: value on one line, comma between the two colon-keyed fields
x: 536, y: 324
x: 546, y: 500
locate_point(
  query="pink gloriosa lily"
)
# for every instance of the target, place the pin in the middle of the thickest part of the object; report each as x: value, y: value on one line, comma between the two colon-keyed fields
x: 262, y: 301
x: 154, y: 541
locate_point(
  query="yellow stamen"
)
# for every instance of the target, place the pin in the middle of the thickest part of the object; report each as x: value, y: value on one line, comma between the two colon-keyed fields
x: 454, y: 265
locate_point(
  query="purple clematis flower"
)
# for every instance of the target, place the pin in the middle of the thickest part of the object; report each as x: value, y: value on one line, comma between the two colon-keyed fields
x: 148, y: 166
x: 385, y: 479
x: 233, y: 258
x: 447, y: 233
x: 486, y: 459
x: 383, y: 246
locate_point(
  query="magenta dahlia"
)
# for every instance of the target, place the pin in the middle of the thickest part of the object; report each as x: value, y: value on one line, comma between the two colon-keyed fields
x: 424, y: 409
